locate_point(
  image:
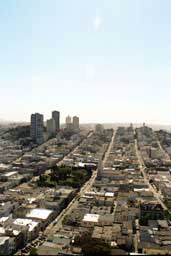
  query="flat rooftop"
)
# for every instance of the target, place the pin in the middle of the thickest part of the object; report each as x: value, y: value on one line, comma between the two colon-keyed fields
x: 26, y: 222
x: 39, y: 213
x: 91, y: 217
x: 8, y: 174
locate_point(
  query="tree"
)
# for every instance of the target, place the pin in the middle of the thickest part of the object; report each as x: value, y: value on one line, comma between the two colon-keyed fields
x: 92, y: 247
x: 33, y: 252
x: 95, y: 248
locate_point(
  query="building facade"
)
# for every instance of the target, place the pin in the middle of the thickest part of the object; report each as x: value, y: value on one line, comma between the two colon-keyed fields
x: 76, y: 123
x: 68, y: 120
x: 56, y: 117
x: 36, y: 129
x: 99, y: 128
x: 51, y: 127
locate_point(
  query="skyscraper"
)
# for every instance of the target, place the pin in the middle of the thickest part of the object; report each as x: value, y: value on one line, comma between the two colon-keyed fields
x: 68, y: 120
x: 56, y: 117
x: 69, y: 125
x: 76, y: 122
x: 36, y: 129
x: 99, y: 128
x: 51, y: 127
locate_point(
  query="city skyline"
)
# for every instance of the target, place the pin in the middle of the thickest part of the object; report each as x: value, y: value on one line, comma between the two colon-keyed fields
x: 105, y: 61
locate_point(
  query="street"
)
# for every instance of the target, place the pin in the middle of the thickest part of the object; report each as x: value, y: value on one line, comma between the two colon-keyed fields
x: 146, y: 180
x: 57, y: 223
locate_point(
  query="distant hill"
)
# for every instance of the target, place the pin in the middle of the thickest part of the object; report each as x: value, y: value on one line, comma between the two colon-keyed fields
x: 2, y: 121
x: 115, y: 125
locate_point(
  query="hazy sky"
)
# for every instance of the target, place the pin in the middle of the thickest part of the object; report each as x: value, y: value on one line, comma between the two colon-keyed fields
x: 103, y: 60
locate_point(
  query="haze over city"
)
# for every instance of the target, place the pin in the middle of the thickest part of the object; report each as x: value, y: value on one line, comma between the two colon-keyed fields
x: 85, y: 127
x: 106, y: 61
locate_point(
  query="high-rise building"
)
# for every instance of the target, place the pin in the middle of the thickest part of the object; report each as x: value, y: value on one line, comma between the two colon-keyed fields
x: 36, y: 129
x: 56, y: 117
x: 75, y: 123
x: 99, y: 128
x: 51, y: 127
x: 68, y: 120
x: 69, y: 125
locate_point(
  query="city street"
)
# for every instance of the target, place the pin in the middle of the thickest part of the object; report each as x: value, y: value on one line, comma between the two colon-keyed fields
x: 57, y: 223
x: 146, y: 180
x: 75, y: 149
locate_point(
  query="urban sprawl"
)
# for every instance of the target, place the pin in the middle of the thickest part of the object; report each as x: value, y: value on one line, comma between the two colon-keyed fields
x: 71, y: 190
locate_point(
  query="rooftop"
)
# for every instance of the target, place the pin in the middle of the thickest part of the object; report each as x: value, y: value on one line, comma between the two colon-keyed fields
x: 8, y: 174
x: 26, y: 222
x: 91, y: 217
x: 109, y: 194
x: 3, y: 239
x: 39, y: 213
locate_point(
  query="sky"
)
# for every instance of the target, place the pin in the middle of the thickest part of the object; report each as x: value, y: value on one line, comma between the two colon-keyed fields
x: 103, y: 60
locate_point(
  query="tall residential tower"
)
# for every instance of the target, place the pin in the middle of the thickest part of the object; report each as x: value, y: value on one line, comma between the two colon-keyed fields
x: 51, y: 127
x: 36, y: 129
x: 75, y: 122
x: 56, y: 117
x: 68, y: 120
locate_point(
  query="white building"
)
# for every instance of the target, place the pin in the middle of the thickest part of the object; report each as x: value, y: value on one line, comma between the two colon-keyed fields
x: 43, y: 215
x: 33, y: 227
x: 90, y: 220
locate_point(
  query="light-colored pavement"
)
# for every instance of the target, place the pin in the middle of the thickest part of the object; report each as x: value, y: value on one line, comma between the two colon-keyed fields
x: 146, y: 180
x: 136, y: 241
x: 165, y: 153
x: 115, y: 207
x: 109, y: 148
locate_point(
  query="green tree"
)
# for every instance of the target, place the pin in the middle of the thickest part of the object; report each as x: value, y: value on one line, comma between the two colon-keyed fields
x: 33, y: 252
x: 92, y: 247
x: 95, y: 248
